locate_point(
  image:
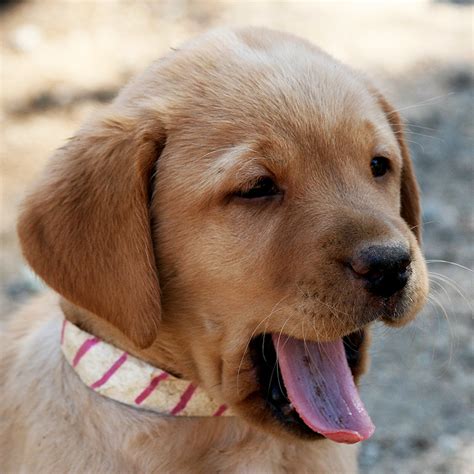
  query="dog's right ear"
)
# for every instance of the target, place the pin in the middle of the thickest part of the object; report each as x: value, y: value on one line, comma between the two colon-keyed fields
x: 85, y: 229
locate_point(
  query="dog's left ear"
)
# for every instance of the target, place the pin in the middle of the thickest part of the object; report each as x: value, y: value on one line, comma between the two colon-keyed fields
x: 410, y: 194
x: 85, y: 229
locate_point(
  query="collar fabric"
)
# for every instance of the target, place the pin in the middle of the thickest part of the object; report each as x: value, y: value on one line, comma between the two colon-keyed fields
x: 118, y: 375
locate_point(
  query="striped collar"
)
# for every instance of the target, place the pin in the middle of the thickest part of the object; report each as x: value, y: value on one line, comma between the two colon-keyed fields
x: 118, y: 375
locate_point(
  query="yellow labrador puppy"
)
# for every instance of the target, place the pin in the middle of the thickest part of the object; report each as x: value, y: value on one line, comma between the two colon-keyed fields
x: 219, y: 240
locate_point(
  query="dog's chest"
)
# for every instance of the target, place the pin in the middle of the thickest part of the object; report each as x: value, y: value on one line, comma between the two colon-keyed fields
x: 226, y: 451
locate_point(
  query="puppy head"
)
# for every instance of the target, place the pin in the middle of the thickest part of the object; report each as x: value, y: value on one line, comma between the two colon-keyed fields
x: 269, y: 188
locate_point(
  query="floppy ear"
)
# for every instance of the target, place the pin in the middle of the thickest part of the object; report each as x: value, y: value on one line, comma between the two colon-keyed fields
x: 86, y: 231
x: 410, y: 194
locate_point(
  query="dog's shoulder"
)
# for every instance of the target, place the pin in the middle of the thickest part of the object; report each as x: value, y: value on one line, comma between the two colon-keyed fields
x: 49, y: 420
x: 28, y: 359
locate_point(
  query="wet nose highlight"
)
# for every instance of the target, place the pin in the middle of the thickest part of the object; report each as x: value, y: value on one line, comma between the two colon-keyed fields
x: 385, y: 269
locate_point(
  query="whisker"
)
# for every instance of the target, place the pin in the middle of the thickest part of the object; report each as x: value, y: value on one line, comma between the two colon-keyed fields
x: 423, y: 224
x: 411, y: 125
x: 435, y: 300
x: 274, y: 309
x: 425, y: 135
x: 452, y: 284
x: 416, y: 143
x: 277, y: 365
x: 451, y: 263
x: 422, y: 103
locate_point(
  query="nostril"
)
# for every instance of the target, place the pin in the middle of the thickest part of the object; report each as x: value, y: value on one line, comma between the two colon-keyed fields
x: 360, y: 266
x: 403, y: 264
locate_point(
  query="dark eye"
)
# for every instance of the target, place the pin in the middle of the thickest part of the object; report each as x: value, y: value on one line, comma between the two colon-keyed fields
x: 379, y: 166
x: 263, y: 187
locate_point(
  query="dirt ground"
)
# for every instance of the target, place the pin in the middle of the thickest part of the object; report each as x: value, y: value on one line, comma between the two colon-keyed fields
x: 60, y: 60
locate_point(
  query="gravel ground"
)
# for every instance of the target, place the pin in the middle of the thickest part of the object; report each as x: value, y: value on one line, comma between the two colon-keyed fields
x: 62, y: 60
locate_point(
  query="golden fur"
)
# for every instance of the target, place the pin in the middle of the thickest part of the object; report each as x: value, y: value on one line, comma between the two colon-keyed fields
x: 136, y: 225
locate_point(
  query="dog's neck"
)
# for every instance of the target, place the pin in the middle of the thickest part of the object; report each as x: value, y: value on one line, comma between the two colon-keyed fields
x: 115, y: 374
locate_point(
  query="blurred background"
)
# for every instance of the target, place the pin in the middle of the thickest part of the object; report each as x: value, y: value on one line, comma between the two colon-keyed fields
x: 61, y: 60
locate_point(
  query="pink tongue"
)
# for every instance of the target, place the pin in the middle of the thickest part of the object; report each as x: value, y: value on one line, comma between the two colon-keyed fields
x: 320, y: 386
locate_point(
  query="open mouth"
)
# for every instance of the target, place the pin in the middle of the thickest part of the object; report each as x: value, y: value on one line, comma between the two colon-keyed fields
x: 309, y: 386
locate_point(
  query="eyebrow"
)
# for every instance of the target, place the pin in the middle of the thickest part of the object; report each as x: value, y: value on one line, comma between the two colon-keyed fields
x: 381, y: 132
x: 236, y: 164
x: 228, y: 159
x: 241, y: 157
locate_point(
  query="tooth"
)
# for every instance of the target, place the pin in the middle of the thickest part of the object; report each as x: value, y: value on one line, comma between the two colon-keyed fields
x: 276, y: 394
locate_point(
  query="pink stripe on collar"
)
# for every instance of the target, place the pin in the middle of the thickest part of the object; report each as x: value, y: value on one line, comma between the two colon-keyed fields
x: 86, y: 345
x: 183, y: 401
x: 115, y: 366
x: 153, y: 384
x: 220, y: 410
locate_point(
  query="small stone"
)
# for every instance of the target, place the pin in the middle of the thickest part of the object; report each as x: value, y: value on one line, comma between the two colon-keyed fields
x: 26, y: 38
x: 448, y: 444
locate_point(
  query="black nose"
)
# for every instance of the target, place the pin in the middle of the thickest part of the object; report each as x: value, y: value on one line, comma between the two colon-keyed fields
x: 385, y: 269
